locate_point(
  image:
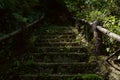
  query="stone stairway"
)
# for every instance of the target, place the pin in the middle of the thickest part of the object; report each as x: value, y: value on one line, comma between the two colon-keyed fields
x: 57, y: 55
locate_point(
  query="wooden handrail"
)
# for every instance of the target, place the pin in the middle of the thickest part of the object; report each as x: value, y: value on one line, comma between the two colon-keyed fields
x: 97, y: 30
x: 101, y: 29
x: 10, y: 35
x: 36, y: 21
x: 19, y: 30
x: 82, y: 21
x: 108, y: 33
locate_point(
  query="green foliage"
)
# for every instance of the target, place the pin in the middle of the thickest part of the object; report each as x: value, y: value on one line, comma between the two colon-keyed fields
x: 72, y: 5
x: 105, y: 11
x: 15, y: 11
x: 112, y: 23
x: 86, y: 77
x: 1, y: 34
x: 20, y: 18
x: 1, y: 4
x: 93, y: 15
x: 29, y: 62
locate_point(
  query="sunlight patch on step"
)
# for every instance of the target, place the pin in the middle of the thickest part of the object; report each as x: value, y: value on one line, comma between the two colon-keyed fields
x: 80, y: 38
x: 75, y: 30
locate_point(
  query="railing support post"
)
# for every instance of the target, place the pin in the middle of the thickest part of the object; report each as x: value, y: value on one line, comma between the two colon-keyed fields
x: 20, y: 40
x: 97, y: 39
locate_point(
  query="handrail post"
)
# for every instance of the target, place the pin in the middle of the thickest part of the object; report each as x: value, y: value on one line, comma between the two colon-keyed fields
x: 77, y: 24
x: 20, y: 40
x: 97, y: 39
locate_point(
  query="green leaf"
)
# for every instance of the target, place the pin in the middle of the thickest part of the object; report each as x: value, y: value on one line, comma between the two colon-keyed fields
x: 20, y: 18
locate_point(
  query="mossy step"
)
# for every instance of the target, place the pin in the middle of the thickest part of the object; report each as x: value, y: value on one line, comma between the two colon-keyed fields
x: 57, y: 36
x: 60, y: 53
x: 58, y: 32
x: 58, y: 68
x: 64, y: 32
x: 71, y: 63
x: 57, y: 57
x: 58, y: 44
x: 61, y: 49
x: 57, y: 28
x: 56, y: 40
x: 48, y: 75
x: 61, y: 77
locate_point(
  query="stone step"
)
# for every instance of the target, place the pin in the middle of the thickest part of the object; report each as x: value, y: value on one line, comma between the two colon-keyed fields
x: 58, y: 68
x: 59, y: 53
x: 75, y: 63
x: 59, y: 57
x: 46, y: 77
x: 58, y: 77
x: 64, y: 32
x: 57, y: 44
x: 56, y: 40
x: 54, y: 28
x: 60, y: 32
x: 56, y: 36
x: 61, y: 49
x: 61, y: 77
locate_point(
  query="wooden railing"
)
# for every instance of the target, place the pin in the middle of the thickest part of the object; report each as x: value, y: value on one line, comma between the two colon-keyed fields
x: 19, y: 36
x: 21, y: 29
x: 98, y: 32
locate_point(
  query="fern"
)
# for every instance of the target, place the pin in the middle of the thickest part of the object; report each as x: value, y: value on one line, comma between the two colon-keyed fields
x: 86, y: 77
